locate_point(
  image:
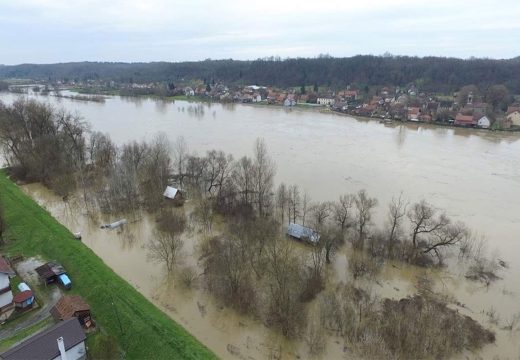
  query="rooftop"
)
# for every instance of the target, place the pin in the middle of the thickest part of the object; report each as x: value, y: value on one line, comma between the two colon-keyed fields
x: 44, y: 345
x: 5, y: 268
x: 67, y: 306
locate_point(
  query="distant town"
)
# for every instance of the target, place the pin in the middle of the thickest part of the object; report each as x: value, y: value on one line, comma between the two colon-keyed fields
x: 469, y: 107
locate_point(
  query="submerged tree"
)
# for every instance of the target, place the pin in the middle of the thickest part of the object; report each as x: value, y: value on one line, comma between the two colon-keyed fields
x: 364, y: 206
x: 166, y: 244
x: 264, y: 171
x: 396, y: 215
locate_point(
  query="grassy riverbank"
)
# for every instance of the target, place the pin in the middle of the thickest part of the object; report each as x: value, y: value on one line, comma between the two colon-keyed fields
x: 142, y: 330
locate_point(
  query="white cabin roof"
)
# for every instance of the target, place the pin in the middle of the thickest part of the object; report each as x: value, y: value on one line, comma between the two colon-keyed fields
x: 170, y: 192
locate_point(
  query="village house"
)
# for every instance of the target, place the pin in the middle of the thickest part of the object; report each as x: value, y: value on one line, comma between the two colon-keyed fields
x: 414, y: 113
x: 431, y: 108
x: 483, y: 121
x: 188, y: 91
x: 25, y: 298
x: 6, y: 294
x: 272, y: 96
x: 73, y: 306
x: 513, y: 116
x: 303, y: 99
x: 281, y: 98
x: 257, y: 97
x: 325, y: 101
x: 290, y: 100
x: 246, y: 98
x: 465, y: 120
x: 303, y: 233
x: 200, y: 90
x: 445, y: 105
x: 65, y: 340
x: 349, y: 95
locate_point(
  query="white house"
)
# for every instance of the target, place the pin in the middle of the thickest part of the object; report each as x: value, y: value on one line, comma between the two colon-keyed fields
x: 65, y: 340
x: 514, y: 117
x: 484, y: 122
x: 188, y: 91
x: 6, y: 295
x: 326, y: 101
x: 257, y: 97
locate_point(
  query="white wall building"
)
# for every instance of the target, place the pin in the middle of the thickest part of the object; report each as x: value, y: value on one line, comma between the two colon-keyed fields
x: 484, y: 122
x: 325, y: 101
x: 6, y: 295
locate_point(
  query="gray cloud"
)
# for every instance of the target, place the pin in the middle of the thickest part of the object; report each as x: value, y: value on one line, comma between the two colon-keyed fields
x: 44, y: 31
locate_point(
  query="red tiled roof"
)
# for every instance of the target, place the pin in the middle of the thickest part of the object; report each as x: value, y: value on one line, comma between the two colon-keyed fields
x: 22, y: 296
x: 464, y: 119
x: 512, y: 109
x: 4, y: 266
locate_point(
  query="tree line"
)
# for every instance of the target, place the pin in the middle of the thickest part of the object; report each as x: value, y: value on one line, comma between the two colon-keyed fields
x: 433, y: 74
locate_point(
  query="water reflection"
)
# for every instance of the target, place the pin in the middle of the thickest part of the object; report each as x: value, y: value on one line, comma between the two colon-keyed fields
x: 196, y: 111
x: 162, y: 105
x: 137, y: 101
x: 401, y: 136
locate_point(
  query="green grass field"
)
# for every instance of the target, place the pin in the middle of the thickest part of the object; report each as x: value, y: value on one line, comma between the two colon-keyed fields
x: 147, y: 333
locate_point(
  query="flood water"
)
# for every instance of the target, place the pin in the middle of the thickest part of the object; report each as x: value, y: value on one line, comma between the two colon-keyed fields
x: 473, y: 175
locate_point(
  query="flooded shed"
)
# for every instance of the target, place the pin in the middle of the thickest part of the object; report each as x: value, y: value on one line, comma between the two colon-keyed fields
x: 303, y: 233
x: 73, y: 306
x: 174, y: 194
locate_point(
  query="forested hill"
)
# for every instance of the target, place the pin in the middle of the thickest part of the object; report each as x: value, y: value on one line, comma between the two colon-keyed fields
x: 430, y: 73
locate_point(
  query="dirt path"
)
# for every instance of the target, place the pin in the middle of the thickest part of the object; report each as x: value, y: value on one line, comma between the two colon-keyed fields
x: 36, y: 317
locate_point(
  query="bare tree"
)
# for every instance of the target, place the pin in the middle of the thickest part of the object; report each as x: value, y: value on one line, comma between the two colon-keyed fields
x: 204, y: 214
x: 284, y: 286
x: 100, y: 150
x: 331, y: 239
x: 156, y: 171
x: 342, y: 212
x: 364, y: 206
x: 195, y: 172
x: 306, y: 201
x: 294, y: 203
x: 265, y: 170
x: 445, y: 237
x: 423, y: 217
x: 180, y: 155
x: 228, y: 274
x: 166, y: 246
x: 243, y: 177
x: 218, y: 171
x: 320, y: 212
x: 396, y: 214
x: 282, y: 201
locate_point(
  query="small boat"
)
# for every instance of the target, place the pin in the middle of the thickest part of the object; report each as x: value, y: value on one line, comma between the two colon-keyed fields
x: 114, y: 224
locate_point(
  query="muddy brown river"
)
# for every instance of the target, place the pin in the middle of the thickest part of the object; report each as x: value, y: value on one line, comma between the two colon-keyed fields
x: 474, y: 175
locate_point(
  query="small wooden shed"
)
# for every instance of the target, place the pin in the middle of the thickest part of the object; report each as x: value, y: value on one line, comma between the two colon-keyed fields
x: 73, y: 306
x: 24, y: 299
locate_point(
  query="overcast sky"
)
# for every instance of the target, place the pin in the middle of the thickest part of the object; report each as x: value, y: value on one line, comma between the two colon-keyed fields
x: 49, y: 31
